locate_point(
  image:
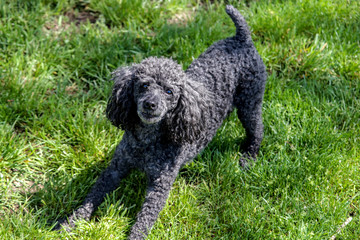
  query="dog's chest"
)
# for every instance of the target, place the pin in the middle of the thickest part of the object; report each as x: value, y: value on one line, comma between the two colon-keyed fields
x: 148, y: 157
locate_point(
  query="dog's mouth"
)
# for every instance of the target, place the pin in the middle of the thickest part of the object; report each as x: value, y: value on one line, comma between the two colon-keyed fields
x: 149, y: 117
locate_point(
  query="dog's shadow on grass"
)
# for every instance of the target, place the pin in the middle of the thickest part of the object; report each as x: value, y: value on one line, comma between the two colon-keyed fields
x: 131, y: 192
x: 60, y: 196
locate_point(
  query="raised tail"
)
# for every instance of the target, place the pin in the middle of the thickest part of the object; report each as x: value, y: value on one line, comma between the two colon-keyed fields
x: 242, y: 29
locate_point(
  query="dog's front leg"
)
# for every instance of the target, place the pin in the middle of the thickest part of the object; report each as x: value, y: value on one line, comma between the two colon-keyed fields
x: 156, y: 194
x: 108, y: 181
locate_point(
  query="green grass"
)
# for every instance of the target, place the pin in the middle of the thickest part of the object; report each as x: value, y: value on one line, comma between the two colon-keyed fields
x: 55, y: 63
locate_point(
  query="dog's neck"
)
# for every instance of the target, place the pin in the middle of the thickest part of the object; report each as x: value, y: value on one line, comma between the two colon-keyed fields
x: 147, y: 133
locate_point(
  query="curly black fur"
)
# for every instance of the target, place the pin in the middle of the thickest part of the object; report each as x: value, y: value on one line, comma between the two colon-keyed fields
x: 170, y: 115
x: 178, y: 124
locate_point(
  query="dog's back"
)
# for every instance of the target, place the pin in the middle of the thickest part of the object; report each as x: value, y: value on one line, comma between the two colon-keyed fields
x: 226, y: 63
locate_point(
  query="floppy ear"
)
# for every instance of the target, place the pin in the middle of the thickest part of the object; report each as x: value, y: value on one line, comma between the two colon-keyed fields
x: 188, y: 119
x: 121, y: 109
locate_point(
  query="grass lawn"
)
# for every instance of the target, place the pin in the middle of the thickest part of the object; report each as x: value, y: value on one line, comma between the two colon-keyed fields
x: 55, y: 64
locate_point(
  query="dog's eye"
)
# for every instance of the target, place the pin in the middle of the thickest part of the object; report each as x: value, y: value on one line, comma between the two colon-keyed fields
x: 145, y: 85
x: 169, y: 92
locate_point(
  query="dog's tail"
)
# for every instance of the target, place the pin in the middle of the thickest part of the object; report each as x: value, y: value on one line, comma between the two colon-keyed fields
x: 242, y: 29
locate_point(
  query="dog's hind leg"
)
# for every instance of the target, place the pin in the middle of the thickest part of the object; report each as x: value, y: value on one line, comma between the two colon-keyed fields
x: 252, y: 122
x: 249, y: 110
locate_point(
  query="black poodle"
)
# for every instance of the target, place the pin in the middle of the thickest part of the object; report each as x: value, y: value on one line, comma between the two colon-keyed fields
x: 170, y: 115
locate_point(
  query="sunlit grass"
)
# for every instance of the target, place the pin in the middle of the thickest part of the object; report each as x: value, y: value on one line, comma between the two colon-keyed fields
x: 55, y: 63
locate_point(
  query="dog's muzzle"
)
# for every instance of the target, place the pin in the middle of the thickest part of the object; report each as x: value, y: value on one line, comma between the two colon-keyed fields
x: 149, y: 110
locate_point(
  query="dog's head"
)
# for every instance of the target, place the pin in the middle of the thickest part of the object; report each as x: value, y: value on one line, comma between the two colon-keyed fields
x: 157, y: 91
x: 157, y: 88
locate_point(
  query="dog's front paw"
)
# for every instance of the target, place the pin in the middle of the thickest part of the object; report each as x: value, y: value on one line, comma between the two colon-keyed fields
x: 64, y: 225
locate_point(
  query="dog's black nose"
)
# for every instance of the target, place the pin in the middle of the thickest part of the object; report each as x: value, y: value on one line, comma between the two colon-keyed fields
x: 149, y: 105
